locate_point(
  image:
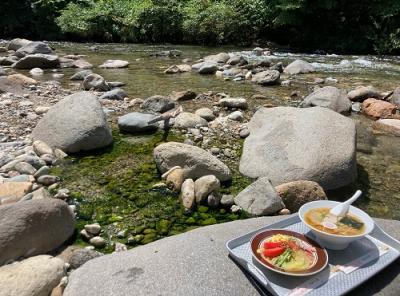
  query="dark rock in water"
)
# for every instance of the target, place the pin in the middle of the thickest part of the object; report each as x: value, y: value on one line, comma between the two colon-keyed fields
x: 113, y: 84
x: 81, y: 75
x: 8, y: 61
x: 167, y: 53
x: 39, y: 60
x: 33, y: 48
x: 137, y: 122
x: 158, y: 104
x: 73, y: 124
x: 33, y: 227
x: 81, y: 256
x: 278, y: 67
x: 299, y: 67
x: 114, y: 94
x: 95, y: 82
x: 328, y: 97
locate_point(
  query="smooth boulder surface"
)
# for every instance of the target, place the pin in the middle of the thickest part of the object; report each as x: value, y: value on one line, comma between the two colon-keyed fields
x: 259, y: 198
x: 299, y: 67
x: 75, y: 123
x: 109, y: 64
x: 269, y: 77
x: 208, y: 68
x: 158, y: 104
x: 114, y: 94
x: 328, y: 97
x: 289, y: 144
x: 95, y: 82
x: 17, y: 43
x: 195, y: 161
x: 33, y: 48
x: 39, y: 60
x: 189, y: 120
x: 34, y: 227
x: 171, y: 261
x: 363, y: 92
x: 378, y: 108
x: 35, y: 276
x: 137, y: 122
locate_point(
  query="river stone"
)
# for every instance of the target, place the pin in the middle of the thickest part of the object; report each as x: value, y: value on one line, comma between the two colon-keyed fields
x: 75, y: 123
x: 41, y: 148
x: 33, y: 48
x: 114, y: 64
x: 288, y: 144
x: 97, y: 241
x: 299, y: 67
x: 34, y: 227
x: 137, y: 122
x: 36, y: 72
x: 175, y: 179
x: 178, y: 69
x: 11, y: 192
x: 205, y: 113
x: 297, y: 193
x: 41, y: 193
x: 17, y: 43
x: 268, y: 77
x: 93, y: 228
x: 204, y: 186
x: 208, y: 68
x: 227, y: 200
x: 82, y: 64
x: 221, y: 57
x: 328, y: 97
x: 81, y: 256
x: 158, y: 104
x: 395, y: 98
x: 36, y: 276
x: 39, y: 60
x: 81, y: 75
x: 363, y: 92
x: 390, y: 126
x: 182, y: 95
x: 239, y: 103
x: 378, y: 108
x: 25, y: 168
x: 187, y: 194
x: 259, y: 198
x: 213, y: 200
x: 196, y: 162
x: 95, y: 82
x: 189, y: 120
x: 114, y: 94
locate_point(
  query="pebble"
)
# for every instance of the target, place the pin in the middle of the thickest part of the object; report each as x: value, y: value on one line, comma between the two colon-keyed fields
x: 235, y: 209
x: 25, y: 168
x: 121, y: 234
x: 44, y: 170
x: 215, y: 150
x: 93, y: 228
x: 237, y: 116
x: 97, y: 241
x: 213, y: 200
x: 85, y: 235
x: 62, y: 194
x: 284, y: 212
x: 244, y: 133
x: 227, y: 200
x: 48, y: 179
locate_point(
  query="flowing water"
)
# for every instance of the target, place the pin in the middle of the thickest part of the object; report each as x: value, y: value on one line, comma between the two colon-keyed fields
x: 378, y: 156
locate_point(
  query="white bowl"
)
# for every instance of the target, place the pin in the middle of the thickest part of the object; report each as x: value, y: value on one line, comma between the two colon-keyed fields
x: 333, y: 241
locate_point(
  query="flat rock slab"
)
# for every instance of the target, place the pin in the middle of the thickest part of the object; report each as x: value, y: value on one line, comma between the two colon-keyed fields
x: 195, y: 263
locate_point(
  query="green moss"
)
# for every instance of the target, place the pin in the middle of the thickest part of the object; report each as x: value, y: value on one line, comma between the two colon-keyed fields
x: 202, y: 209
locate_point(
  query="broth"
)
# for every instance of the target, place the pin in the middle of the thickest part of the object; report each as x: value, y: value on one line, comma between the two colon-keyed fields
x: 348, y: 225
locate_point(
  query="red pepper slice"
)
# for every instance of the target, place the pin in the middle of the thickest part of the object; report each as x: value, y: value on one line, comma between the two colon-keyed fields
x: 274, y: 252
x: 270, y: 245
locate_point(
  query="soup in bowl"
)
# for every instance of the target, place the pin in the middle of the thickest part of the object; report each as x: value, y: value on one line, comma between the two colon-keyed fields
x: 337, y: 233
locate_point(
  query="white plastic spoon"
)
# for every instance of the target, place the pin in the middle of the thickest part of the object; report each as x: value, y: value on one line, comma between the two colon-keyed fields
x: 339, y: 211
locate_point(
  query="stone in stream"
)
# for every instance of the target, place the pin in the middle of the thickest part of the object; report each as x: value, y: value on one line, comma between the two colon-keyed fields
x: 95, y: 82
x: 178, y: 69
x: 44, y: 170
x: 34, y: 227
x: 189, y: 120
x: 364, y: 92
x: 81, y: 75
x: 328, y: 97
x: 204, y: 186
x: 39, y: 60
x: 25, y: 168
x: 187, y: 194
x: 158, y: 104
x: 48, y: 180
x: 93, y: 229
x: 41, y: 148
x: 208, y: 68
x: 390, y: 126
x: 268, y: 77
x: 239, y: 103
x: 297, y: 193
x: 49, y: 159
x: 82, y: 64
x: 112, y: 64
x: 219, y: 58
x: 259, y: 198
x: 17, y: 43
x: 11, y: 192
x: 236, y: 116
x: 378, y: 108
x: 205, y: 113
x: 182, y: 95
x: 97, y: 241
x: 137, y: 122
x: 35, y: 276
x: 75, y: 123
x: 299, y: 67
x: 289, y: 144
x: 81, y: 256
x: 36, y: 72
x: 33, y: 48
x: 114, y: 94
x: 236, y: 60
x: 196, y: 162
x: 395, y: 98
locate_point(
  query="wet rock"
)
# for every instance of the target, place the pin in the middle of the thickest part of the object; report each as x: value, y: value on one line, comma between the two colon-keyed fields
x: 175, y: 179
x: 11, y: 192
x: 363, y: 92
x: 81, y: 75
x: 76, y: 123
x: 137, y: 122
x: 33, y: 227
x: 158, y: 104
x: 33, y: 48
x: 48, y: 179
x: 112, y: 64
x: 390, y: 126
x: 297, y: 193
x: 189, y: 120
x: 93, y: 229
x: 49, y: 159
x: 356, y: 107
x: 239, y: 103
x: 178, y: 69
x: 82, y: 64
x: 328, y: 97
x: 97, y: 241
x: 36, y: 276
x: 236, y: 116
x: 213, y: 200
x: 17, y: 43
x: 288, y: 144
x: 36, y: 72
x: 221, y: 57
x: 25, y: 168
x: 259, y: 198
x: 208, y: 68
x: 43, y: 61
x: 227, y: 200
x: 183, y: 95
x: 41, y: 148
x: 187, y: 194
x: 204, y: 186
x: 114, y: 94
x: 269, y: 77
x: 236, y: 60
x: 95, y: 82
x: 205, y: 113
x: 395, y: 98
x: 195, y: 161
x: 378, y: 109
x: 299, y: 67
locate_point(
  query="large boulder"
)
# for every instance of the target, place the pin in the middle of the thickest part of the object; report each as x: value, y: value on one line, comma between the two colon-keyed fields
x: 17, y: 43
x: 34, y: 227
x: 38, y: 60
x: 33, y: 48
x: 95, y: 82
x: 328, y: 97
x: 221, y: 57
x: 36, y: 276
x: 73, y: 124
x: 158, y: 104
x: 364, y: 92
x: 378, y: 108
x: 288, y: 144
x: 195, y: 161
x: 189, y: 120
x: 299, y: 67
x: 259, y: 198
x: 136, y: 122
x: 268, y: 77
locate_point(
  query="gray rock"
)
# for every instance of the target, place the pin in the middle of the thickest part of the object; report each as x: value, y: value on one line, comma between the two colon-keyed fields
x: 6, y: 158
x: 235, y: 60
x: 35, y: 161
x: 288, y: 144
x: 204, y: 186
x: 36, y: 72
x: 81, y: 75
x: 189, y: 120
x: 239, y: 103
x: 62, y: 193
x: 95, y: 82
x: 93, y: 229
x: 48, y: 179
x: 82, y: 64
x: 8, y: 61
x: 33, y: 227
x: 227, y: 200
x: 236, y: 116
x: 113, y: 84
x: 25, y: 168
x: 208, y: 68
x: 44, y: 170
x: 81, y: 256
x: 259, y: 198
x: 39, y: 60
x: 73, y: 124
x: 220, y: 58
x: 97, y: 241
x: 299, y: 67
x: 36, y: 276
x: 41, y: 148
x: 17, y: 43
x: 114, y: 94
x: 244, y: 133
x: 195, y: 161
x: 33, y: 48
x: 395, y: 98
x: 213, y: 200
x: 49, y: 159
x: 158, y: 104
x: 187, y: 194
x: 356, y: 107
x: 205, y: 113
x: 137, y: 122
x: 41, y: 193
x: 389, y: 126
x: 364, y: 92
x: 112, y: 64
x: 268, y: 77
x: 328, y: 97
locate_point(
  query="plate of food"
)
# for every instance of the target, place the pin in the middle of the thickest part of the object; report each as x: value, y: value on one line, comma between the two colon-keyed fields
x: 288, y: 252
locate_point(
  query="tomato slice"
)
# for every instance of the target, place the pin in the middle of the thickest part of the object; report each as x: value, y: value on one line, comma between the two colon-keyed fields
x: 271, y: 245
x: 274, y: 252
